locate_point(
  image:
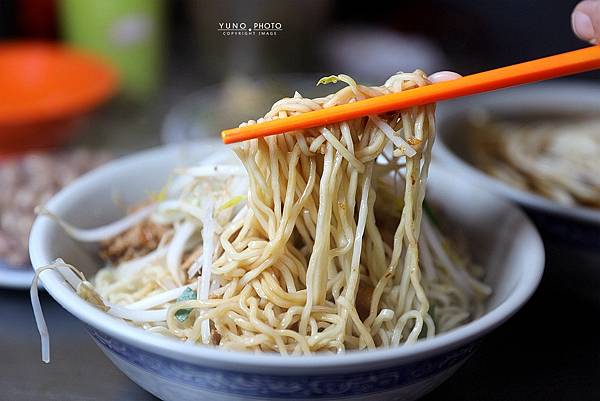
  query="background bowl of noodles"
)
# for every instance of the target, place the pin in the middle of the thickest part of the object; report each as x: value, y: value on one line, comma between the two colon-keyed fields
x: 501, y: 240
x: 571, y: 232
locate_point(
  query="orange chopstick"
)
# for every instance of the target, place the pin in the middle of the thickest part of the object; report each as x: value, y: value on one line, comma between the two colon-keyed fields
x: 531, y: 71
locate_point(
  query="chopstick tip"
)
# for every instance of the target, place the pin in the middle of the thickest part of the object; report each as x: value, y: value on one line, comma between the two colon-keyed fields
x: 225, y: 137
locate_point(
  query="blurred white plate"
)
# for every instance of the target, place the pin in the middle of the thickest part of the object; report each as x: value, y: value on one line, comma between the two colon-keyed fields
x: 15, y: 277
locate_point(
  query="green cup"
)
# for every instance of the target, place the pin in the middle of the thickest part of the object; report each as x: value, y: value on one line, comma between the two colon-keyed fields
x: 128, y: 33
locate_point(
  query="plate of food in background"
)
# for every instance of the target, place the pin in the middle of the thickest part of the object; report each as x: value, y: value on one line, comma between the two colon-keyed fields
x: 49, y: 90
x: 538, y: 146
x: 27, y: 181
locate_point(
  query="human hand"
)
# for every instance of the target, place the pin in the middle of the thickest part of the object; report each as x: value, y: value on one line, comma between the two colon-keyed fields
x: 586, y: 21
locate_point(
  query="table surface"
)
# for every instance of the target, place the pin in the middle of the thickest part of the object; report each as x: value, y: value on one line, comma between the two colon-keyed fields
x: 548, y: 351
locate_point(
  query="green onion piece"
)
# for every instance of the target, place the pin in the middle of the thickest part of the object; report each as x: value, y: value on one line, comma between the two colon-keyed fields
x: 162, y: 194
x: 332, y: 79
x: 232, y: 202
x: 187, y: 295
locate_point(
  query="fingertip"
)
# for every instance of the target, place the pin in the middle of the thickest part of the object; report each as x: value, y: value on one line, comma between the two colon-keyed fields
x: 582, y: 26
x: 585, y: 20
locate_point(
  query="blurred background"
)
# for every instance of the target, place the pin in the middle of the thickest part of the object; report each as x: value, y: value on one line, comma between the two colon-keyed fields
x: 165, y: 51
x: 98, y: 79
x: 87, y: 81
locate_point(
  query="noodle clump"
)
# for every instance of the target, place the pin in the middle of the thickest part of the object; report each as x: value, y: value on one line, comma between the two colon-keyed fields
x: 326, y: 248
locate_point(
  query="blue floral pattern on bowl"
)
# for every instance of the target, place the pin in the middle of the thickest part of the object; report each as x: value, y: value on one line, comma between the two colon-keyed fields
x: 284, y: 386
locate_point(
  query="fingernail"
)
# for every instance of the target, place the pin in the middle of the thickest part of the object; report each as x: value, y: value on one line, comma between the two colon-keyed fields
x: 443, y: 76
x: 582, y: 25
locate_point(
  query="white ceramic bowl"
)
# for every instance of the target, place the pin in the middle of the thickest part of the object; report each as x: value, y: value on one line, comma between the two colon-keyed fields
x: 502, y: 239
x: 571, y: 233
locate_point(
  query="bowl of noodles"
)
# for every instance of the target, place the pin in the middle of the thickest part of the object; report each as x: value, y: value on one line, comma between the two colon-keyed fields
x: 306, y: 265
x: 537, y: 146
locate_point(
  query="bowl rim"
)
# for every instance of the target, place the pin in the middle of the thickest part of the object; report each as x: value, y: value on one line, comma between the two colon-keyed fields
x: 531, y: 94
x: 242, y: 361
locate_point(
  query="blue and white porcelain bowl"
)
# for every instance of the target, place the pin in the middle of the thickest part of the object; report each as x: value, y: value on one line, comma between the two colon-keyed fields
x: 571, y: 233
x: 503, y: 241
